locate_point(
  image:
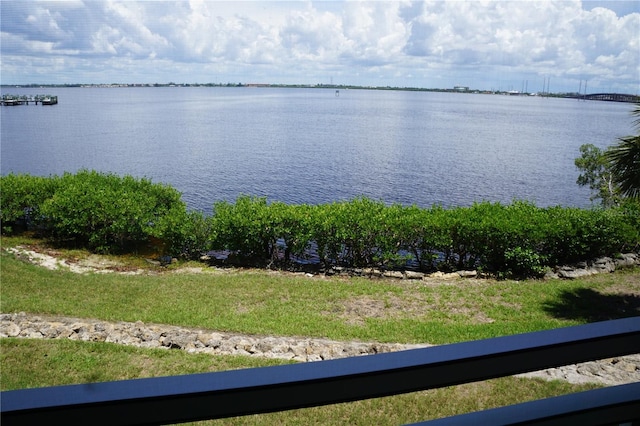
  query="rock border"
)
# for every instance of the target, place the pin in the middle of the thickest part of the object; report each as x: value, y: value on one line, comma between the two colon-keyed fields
x: 597, y: 266
x: 192, y: 340
x: 581, y: 269
x: 578, y: 270
x: 613, y: 371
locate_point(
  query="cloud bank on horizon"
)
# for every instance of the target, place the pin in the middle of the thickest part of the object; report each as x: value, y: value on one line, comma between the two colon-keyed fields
x: 483, y: 44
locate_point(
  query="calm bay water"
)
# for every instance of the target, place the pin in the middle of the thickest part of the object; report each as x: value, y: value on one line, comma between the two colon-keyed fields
x: 311, y: 146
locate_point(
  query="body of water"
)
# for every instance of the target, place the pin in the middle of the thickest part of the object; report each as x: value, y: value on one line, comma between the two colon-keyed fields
x: 311, y: 146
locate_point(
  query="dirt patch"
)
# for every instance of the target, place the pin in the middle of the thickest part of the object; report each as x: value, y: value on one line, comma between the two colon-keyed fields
x: 189, y: 270
x: 625, y: 284
x: 99, y: 262
x: 243, y: 309
x: 355, y: 311
x: 55, y: 260
x: 470, y: 315
x: 31, y: 256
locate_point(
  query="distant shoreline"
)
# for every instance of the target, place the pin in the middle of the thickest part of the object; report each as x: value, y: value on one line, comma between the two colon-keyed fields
x: 617, y: 97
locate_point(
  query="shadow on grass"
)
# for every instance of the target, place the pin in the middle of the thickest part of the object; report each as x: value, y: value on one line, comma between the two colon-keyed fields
x: 590, y: 306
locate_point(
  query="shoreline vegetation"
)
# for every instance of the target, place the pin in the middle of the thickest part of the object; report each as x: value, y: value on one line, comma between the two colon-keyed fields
x: 107, y: 213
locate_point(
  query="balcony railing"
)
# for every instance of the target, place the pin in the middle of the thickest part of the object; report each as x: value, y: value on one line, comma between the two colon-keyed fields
x: 194, y: 397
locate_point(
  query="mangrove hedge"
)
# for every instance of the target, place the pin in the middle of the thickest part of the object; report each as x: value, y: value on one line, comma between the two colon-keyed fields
x: 105, y: 212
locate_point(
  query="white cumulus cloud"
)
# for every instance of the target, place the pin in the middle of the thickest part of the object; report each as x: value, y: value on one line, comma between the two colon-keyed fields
x: 433, y: 43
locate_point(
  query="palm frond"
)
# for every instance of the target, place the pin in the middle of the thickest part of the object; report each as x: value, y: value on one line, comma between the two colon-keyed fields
x: 625, y: 165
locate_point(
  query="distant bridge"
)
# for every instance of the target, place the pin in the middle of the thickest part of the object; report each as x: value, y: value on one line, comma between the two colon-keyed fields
x: 611, y: 97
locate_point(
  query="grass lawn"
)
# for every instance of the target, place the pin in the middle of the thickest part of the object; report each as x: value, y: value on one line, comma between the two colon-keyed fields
x: 261, y: 302
x: 268, y: 303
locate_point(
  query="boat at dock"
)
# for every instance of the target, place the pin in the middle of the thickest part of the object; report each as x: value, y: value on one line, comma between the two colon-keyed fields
x: 49, y: 100
x: 12, y: 100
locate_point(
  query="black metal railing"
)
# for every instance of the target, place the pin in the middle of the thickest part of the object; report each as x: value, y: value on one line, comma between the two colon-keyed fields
x: 194, y: 397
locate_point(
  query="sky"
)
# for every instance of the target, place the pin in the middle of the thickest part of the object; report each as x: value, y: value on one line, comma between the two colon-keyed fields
x: 487, y: 45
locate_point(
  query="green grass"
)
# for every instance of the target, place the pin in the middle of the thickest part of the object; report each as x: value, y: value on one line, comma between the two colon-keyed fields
x: 28, y: 363
x: 260, y: 302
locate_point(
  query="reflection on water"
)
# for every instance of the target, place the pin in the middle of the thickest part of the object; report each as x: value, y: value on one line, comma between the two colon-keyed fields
x: 309, y: 146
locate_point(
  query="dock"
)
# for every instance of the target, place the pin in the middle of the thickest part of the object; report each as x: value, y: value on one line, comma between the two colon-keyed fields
x: 13, y: 100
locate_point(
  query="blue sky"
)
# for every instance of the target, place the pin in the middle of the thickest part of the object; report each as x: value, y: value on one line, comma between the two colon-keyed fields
x: 482, y: 44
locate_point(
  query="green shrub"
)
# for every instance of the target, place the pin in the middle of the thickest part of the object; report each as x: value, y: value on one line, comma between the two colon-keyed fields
x: 432, y: 243
x: 629, y: 211
x: 22, y: 197
x: 247, y: 228
x: 260, y: 232
x: 107, y: 212
x: 515, y: 240
x: 185, y: 234
x: 293, y: 224
x: 499, y: 229
x: 355, y: 233
x: 574, y: 235
x: 522, y: 263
